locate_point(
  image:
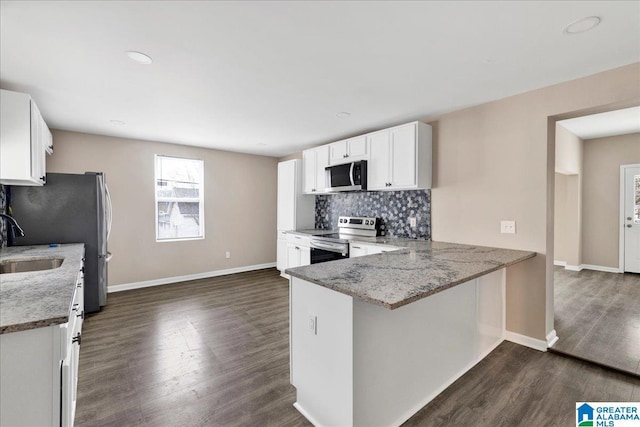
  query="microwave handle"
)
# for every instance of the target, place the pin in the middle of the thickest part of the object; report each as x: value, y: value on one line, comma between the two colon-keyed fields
x: 351, y: 173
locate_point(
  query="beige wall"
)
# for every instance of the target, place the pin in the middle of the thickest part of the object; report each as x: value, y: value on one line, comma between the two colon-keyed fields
x: 240, y: 206
x: 292, y: 156
x: 568, y: 151
x: 601, y: 196
x: 568, y: 208
x: 560, y: 243
x: 492, y: 163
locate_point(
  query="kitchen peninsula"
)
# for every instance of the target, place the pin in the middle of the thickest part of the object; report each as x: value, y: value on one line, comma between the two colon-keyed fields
x: 375, y: 338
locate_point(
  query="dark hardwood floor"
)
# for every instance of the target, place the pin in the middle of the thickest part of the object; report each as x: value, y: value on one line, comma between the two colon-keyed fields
x: 597, y: 317
x: 214, y: 352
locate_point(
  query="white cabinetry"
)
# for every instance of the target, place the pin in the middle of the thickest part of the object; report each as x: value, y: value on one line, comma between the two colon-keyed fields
x: 357, y: 249
x: 400, y: 158
x: 298, y: 250
x: 295, y: 210
x: 24, y: 140
x: 39, y: 370
x: 314, y: 162
x: 348, y: 150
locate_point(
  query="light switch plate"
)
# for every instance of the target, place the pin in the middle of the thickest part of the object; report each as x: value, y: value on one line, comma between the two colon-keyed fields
x: 313, y: 324
x: 413, y: 223
x: 508, y: 226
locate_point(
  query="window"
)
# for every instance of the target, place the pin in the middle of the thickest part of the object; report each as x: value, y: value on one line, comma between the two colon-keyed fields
x: 179, y: 198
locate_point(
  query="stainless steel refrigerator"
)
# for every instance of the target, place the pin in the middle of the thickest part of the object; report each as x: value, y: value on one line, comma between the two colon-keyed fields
x: 69, y: 208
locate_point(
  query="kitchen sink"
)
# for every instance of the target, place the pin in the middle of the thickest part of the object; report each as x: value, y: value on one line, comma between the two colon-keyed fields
x: 22, y: 266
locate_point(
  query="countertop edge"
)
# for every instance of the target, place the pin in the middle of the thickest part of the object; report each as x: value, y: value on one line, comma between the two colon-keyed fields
x: 414, y: 298
x: 19, y: 327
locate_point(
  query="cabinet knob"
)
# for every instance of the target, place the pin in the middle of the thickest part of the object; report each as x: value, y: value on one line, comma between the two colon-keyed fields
x: 81, y: 315
x: 629, y: 218
x: 297, y: 248
x: 629, y: 225
x: 43, y: 178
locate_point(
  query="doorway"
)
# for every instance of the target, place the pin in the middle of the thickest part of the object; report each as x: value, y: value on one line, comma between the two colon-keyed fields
x: 597, y: 304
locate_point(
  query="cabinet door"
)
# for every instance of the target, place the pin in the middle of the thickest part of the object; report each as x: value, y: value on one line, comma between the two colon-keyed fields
x: 293, y: 256
x: 403, y: 157
x: 281, y: 260
x: 322, y: 161
x: 309, y: 171
x: 37, y: 144
x: 305, y: 256
x: 356, y: 250
x: 286, y: 196
x: 357, y: 147
x: 378, y: 166
x: 338, y: 152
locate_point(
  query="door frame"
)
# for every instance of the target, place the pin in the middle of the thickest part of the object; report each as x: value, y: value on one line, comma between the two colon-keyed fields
x: 623, y: 169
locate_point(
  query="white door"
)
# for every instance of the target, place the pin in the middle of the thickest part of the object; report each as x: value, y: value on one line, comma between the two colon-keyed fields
x: 322, y: 161
x: 309, y: 170
x: 338, y: 152
x: 631, y: 220
x: 286, y: 195
x: 403, y: 156
x: 378, y: 166
x: 293, y: 256
x: 357, y: 147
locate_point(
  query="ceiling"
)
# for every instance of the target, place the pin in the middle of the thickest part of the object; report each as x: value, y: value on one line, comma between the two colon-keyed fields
x: 611, y: 123
x: 269, y: 77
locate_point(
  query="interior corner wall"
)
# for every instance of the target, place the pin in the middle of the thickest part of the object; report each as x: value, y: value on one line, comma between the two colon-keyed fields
x: 491, y: 163
x: 240, y: 206
x: 560, y: 252
x: 601, y: 196
x: 568, y: 197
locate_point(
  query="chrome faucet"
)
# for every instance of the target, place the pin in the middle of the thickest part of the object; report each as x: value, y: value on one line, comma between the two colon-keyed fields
x: 16, y: 230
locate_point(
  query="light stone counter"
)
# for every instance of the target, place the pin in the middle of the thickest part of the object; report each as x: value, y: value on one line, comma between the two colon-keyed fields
x: 422, y: 268
x: 38, y: 298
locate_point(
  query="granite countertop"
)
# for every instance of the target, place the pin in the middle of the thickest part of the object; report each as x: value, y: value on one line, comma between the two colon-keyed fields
x: 421, y: 268
x: 37, y: 299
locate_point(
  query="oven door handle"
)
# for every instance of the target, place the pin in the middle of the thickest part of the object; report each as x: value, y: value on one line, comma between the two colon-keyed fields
x: 351, y: 173
x: 329, y: 247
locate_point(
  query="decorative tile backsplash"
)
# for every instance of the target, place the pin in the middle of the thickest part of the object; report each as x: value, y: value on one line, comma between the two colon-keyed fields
x: 393, y: 208
x: 3, y: 223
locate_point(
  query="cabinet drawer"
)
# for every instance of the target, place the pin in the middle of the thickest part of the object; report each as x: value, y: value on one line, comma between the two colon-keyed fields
x: 299, y: 240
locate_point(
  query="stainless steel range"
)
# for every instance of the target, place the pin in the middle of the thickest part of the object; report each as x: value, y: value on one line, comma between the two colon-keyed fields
x: 329, y: 247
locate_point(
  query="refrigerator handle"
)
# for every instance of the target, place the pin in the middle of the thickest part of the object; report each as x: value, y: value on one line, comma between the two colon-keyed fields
x: 109, y: 210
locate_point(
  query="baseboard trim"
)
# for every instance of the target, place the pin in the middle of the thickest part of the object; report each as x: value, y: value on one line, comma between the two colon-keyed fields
x: 552, y: 338
x: 306, y: 414
x: 560, y: 263
x: 588, y: 267
x: 534, y: 343
x: 175, y: 279
x: 601, y: 268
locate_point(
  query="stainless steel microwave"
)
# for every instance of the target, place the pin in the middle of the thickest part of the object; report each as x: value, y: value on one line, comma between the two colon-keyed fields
x: 346, y: 177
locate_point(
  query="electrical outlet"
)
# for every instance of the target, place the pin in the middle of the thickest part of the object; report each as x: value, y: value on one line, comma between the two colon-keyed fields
x: 508, y: 227
x: 227, y: 254
x: 313, y: 324
x: 413, y: 222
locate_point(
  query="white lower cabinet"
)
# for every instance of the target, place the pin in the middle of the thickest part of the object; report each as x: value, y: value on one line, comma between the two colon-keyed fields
x: 362, y: 249
x: 39, y: 370
x: 298, y: 251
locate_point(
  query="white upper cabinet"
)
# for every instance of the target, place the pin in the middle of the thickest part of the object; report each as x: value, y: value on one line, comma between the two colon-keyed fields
x: 315, y: 160
x: 400, y: 158
x: 24, y: 140
x: 348, y: 150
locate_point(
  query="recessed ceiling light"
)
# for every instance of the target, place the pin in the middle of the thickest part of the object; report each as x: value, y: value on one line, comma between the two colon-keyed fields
x: 117, y: 122
x: 343, y: 114
x: 139, y: 57
x: 582, y: 25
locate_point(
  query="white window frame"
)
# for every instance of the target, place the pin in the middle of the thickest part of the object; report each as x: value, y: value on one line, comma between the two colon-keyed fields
x: 200, y: 199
